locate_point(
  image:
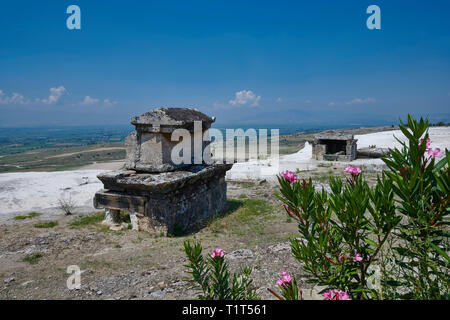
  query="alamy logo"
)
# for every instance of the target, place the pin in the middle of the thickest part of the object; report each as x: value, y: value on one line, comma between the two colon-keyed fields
x: 238, y: 145
x: 74, y: 280
x: 74, y: 20
x: 374, y: 20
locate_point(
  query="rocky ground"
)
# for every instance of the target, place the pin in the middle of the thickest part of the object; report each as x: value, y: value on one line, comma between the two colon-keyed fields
x: 35, y: 250
x: 133, y: 265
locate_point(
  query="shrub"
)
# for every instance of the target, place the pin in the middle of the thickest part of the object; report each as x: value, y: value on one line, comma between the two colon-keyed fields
x: 210, y: 276
x: 348, y: 233
x: 421, y: 184
x: 67, y: 205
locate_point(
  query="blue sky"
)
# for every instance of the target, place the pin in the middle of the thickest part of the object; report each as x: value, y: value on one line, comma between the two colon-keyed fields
x: 245, y: 62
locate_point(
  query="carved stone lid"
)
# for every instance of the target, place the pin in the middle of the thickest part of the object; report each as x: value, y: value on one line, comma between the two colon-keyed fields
x: 163, y: 182
x: 333, y: 135
x: 169, y: 119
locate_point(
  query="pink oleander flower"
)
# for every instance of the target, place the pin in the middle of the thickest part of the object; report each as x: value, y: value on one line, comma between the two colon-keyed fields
x: 280, y: 282
x: 284, y: 205
x: 428, y: 142
x: 353, y: 170
x: 357, y: 257
x: 285, y: 278
x: 341, y: 295
x: 336, y: 295
x: 327, y: 295
x: 289, y: 176
x: 435, y: 153
x: 217, y: 253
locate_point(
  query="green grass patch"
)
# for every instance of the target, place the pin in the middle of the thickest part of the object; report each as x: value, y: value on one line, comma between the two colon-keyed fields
x: 28, y: 216
x: 32, y: 258
x: 244, y: 217
x: 83, y: 221
x: 251, y: 209
x: 245, y: 185
x: 49, y: 224
x: 95, y: 264
x: 324, y: 165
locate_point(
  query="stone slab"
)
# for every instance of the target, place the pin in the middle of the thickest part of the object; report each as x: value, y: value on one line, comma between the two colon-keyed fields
x: 163, y: 182
x: 168, y: 119
x: 166, y: 202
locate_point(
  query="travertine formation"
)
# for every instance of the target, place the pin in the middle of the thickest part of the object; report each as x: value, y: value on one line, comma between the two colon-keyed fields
x: 162, y: 196
x: 331, y: 145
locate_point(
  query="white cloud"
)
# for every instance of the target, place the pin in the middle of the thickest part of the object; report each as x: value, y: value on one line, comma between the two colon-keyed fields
x: 88, y: 100
x: 15, y: 98
x: 55, y: 95
x: 353, y: 102
x: 361, y: 101
x: 109, y: 103
x: 245, y: 97
x: 279, y: 99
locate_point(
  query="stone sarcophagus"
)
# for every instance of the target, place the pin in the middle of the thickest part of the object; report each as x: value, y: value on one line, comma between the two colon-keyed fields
x: 149, y: 148
x: 334, y: 146
x: 162, y: 195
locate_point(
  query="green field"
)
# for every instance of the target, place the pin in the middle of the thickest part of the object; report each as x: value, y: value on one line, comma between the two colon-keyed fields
x: 56, y: 159
x: 65, y: 149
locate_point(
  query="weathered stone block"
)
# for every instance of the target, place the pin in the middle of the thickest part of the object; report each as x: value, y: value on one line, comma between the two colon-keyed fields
x: 149, y: 148
x: 163, y: 196
x: 319, y: 151
x: 162, y: 202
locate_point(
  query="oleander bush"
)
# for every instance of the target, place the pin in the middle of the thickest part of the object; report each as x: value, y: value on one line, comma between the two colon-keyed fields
x: 212, y: 278
x: 389, y: 241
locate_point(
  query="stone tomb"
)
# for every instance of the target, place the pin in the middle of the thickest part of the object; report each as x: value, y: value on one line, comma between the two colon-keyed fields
x: 334, y: 146
x: 164, y: 197
x: 149, y: 148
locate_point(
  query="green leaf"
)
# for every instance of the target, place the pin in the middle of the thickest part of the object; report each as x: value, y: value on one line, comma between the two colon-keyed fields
x: 439, y: 250
x: 370, y: 242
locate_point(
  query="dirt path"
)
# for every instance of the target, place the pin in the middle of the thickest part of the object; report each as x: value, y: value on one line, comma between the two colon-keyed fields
x: 110, y: 165
x: 85, y: 151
